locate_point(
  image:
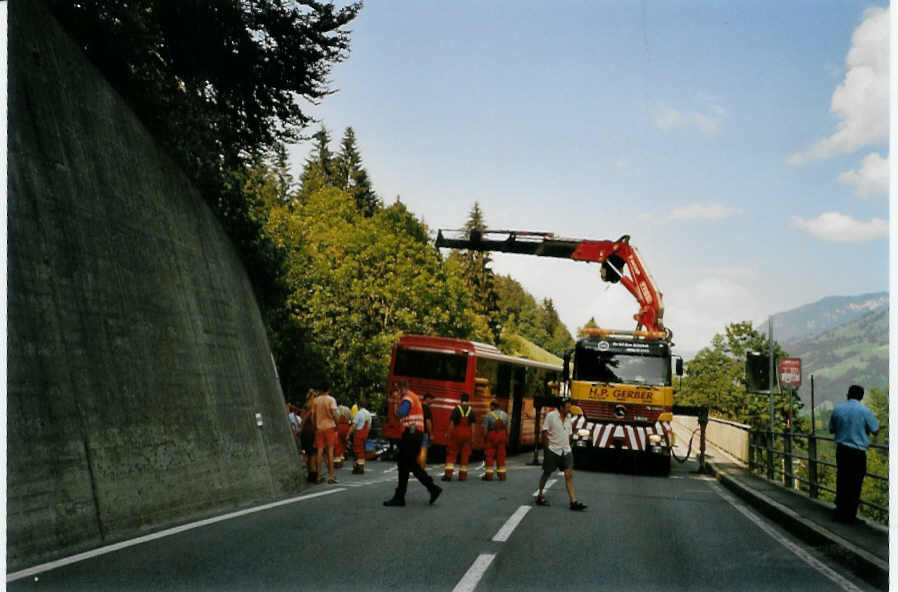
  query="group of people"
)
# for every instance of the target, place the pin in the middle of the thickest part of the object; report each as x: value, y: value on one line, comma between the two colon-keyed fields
x: 417, y: 426
x: 323, y: 431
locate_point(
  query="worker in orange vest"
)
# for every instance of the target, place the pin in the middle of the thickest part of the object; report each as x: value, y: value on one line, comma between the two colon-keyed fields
x: 343, y: 418
x: 459, y: 439
x: 411, y: 418
x: 494, y: 424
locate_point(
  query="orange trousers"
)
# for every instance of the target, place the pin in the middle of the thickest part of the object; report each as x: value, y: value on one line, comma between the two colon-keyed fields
x: 494, y: 451
x: 358, y: 444
x: 459, y: 448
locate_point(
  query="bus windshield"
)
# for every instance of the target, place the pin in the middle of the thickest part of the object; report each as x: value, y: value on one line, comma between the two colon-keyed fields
x: 430, y: 365
x: 598, y: 366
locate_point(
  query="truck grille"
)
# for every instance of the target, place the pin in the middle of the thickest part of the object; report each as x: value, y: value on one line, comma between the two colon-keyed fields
x: 608, y: 411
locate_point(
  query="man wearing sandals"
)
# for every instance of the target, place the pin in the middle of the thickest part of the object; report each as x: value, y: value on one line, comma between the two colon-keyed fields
x: 556, y: 439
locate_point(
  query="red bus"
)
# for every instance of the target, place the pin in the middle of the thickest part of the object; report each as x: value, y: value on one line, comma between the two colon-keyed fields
x: 446, y: 368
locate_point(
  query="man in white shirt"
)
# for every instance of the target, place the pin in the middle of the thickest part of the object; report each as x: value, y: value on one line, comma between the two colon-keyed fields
x: 556, y: 439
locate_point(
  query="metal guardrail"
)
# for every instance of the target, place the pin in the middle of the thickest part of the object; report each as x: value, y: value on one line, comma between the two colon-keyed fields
x: 793, y: 459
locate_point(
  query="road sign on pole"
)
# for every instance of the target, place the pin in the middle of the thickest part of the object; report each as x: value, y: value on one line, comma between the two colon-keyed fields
x: 790, y: 372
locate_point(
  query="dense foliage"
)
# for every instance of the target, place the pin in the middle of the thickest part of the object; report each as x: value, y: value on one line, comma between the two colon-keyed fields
x: 715, y: 377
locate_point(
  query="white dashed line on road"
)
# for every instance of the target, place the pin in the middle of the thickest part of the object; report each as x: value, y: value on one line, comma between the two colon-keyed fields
x: 510, y: 524
x: 474, y: 573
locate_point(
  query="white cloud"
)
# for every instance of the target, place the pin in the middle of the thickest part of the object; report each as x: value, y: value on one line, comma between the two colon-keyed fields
x: 701, y: 211
x: 706, y: 306
x: 861, y: 101
x: 669, y: 118
x: 839, y: 228
x: 871, y: 179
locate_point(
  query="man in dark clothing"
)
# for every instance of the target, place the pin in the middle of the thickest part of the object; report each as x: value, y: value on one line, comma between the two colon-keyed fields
x: 411, y: 416
x: 851, y: 423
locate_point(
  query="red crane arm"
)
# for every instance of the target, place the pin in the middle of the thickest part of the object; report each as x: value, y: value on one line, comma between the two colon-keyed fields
x: 618, y: 258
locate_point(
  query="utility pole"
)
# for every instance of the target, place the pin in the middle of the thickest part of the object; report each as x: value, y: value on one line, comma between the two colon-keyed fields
x: 770, y: 380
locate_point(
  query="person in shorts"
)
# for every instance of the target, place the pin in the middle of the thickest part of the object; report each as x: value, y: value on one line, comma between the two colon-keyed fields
x: 324, y: 408
x: 556, y: 440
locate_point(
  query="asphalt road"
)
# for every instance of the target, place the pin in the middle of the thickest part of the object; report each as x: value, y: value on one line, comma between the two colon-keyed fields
x: 682, y: 532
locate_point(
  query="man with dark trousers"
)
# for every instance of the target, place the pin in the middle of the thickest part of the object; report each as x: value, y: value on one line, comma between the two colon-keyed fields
x: 411, y: 417
x: 851, y: 423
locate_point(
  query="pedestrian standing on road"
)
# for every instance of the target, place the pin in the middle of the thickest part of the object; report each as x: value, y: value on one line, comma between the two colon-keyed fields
x: 325, y: 409
x: 494, y: 424
x: 344, y: 417
x: 358, y: 431
x: 458, y: 437
x: 556, y: 438
x: 426, y: 400
x: 851, y: 423
x: 411, y: 418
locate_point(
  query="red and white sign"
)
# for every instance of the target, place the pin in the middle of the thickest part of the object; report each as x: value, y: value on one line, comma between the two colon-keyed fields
x: 790, y: 372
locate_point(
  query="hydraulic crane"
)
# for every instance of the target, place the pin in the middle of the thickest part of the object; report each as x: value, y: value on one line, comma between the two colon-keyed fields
x: 617, y: 258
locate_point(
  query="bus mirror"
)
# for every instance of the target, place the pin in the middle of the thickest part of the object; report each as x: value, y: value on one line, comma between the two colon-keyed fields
x: 679, y: 366
x: 566, y: 369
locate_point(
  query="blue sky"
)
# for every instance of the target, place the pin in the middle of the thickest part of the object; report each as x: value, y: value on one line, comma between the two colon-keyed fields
x: 742, y: 145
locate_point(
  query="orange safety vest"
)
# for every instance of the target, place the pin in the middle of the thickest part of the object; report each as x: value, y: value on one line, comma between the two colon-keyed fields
x: 415, y: 415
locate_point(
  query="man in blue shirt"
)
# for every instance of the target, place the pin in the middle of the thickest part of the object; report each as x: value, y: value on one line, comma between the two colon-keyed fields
x: 851, y: 422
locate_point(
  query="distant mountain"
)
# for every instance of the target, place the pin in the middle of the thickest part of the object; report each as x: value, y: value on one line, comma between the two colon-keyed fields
x: 856, y: 352
x: 814, y: 319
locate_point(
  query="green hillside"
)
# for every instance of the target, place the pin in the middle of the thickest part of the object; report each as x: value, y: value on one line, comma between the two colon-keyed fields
x: 856, y: 352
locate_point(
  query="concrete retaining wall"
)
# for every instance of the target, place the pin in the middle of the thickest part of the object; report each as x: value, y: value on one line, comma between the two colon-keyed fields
x: 728, y: 436
x: 137, y: 355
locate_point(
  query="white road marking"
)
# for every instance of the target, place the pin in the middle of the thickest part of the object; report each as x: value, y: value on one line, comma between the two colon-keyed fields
x: 510, y: 524
x: 474, y: 573
x: 158, y: 535
x: 798, y: 551
x: 391, y: 469
x: 549, y: 484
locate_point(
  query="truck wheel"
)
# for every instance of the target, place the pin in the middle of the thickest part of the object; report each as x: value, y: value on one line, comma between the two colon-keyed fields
x: 663, y: 465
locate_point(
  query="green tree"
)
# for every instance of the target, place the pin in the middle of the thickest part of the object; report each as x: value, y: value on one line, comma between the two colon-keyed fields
x: 357, y: 283
x: 716, y: 378
x: 352, y: 176
x: 476, y: 265
x: 321, y: 169
x: 590, y: 324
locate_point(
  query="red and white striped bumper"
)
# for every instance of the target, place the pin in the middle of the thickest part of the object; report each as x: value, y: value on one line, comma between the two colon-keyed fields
x: 619, y: 436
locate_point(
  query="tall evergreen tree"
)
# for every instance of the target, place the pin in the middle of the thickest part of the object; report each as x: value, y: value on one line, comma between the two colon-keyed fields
x: 320, y: 170
x: 480, y: 276
x: 352, y: 176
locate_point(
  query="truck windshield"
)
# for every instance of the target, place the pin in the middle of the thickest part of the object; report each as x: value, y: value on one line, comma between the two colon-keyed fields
x: 430, y: 365
x: 596, y: 366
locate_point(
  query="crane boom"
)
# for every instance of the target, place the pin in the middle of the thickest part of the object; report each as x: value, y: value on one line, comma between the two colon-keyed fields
x: 616, y: 259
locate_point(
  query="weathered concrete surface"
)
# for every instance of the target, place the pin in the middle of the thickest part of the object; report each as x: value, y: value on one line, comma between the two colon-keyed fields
x: 137, y: 355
